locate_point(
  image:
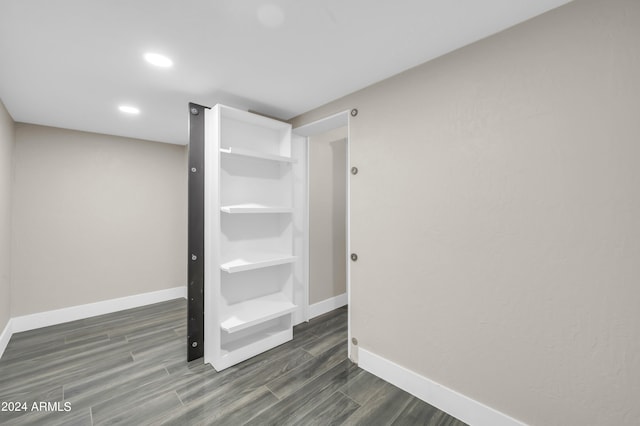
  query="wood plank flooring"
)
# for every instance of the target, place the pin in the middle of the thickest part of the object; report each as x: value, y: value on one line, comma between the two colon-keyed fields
x: 130, y: 368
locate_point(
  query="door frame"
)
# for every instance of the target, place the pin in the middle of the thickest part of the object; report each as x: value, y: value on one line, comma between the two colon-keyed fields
x: 317, y: 127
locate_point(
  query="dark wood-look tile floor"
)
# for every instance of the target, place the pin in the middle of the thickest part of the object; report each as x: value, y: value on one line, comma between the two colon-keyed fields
x: 130, y: 368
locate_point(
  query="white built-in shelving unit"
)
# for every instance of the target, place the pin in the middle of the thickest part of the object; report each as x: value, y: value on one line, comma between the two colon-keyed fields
x: 252, y: 235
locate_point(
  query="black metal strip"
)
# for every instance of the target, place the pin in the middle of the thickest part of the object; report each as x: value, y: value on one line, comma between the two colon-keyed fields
x: 195, y: 319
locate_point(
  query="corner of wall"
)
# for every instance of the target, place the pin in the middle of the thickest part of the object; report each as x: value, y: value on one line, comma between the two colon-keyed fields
x: 14, y: 142
x: 5, y: 336
x: 115, y: 224
x: 7, y: 154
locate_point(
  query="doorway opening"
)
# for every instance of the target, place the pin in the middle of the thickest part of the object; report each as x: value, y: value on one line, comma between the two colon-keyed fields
x: 326, y: 147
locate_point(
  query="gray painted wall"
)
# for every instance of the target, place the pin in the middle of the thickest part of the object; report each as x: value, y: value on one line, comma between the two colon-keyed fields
x: 327, y: 215
x: 95, y: 218
x: 496, y: 217
x: 7, y: 143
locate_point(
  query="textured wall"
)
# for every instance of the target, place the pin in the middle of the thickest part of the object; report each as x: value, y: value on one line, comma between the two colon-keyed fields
x: 496, y: 217
x: 95, y: 217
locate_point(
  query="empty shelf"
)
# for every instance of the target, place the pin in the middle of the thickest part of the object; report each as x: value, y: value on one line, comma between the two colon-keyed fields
x: 255, y: 208
x: 256, y: 311
x: 256, y: 154
x: 256, y: 261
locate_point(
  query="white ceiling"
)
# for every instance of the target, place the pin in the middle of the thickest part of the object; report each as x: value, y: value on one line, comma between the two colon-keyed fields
x: 70, y: 63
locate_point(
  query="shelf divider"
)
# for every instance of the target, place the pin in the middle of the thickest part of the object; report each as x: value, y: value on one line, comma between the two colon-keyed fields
x: 256, y: 154
x: 256, y: 261
x: 256, y: 311
x: 254, y: 208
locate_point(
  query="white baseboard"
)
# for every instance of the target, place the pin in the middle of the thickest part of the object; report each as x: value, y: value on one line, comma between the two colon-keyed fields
x: 59, y: 316
x: 328, y: 305
x: 5, y: 336
x: 459, y: 406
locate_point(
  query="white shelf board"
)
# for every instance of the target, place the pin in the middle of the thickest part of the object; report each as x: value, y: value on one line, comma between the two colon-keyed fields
x: 233, y: 353
x: 251, y: 118
x: 256, y: 261
x: 256, y: 154
x: 255, y: 208
x: 256, y: 311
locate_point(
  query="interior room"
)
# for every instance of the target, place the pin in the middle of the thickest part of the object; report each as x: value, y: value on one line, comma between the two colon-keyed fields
x: 451, y: 188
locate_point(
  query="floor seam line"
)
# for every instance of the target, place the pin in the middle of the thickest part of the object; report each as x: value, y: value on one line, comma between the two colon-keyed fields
x: 179, y: 399
x: 347, y: 396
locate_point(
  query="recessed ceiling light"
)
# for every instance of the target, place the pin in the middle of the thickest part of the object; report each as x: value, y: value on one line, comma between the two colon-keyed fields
x: 129, y: 109
x: 158, y: 60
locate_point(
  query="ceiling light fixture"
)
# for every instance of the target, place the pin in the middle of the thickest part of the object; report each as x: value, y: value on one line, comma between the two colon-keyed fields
x: 127, y: 109
x: 158, y: 60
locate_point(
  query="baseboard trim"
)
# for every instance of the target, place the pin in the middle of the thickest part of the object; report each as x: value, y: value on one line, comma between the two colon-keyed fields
x: 5, y: 336
x: 328, y: 305
x: 59, y: 316
x: 459, y: 406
